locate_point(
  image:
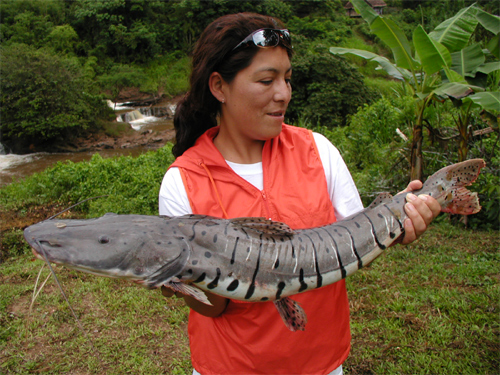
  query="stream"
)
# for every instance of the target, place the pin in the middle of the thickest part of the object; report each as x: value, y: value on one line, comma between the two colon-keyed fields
x: 14, y: 167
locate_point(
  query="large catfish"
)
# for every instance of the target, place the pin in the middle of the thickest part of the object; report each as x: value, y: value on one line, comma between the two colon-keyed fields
x: 248, y: 259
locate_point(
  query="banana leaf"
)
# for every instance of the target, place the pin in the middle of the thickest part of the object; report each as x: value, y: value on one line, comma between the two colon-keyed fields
x: 389, y: 33
x: 488, y: 21
x: 365, y: 10
x: 494, y: 46
x: 455, y: 90
x: 455, y: 32
x: 467, y: 60
x: 488, y: 100
x: 394, y: 37
x: 433, y: 55
x: 488, y: 67
x: 452, y: 76
x: 387, y: 66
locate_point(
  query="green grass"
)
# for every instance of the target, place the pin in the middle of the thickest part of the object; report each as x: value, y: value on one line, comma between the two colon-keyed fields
x: 131, y: 329
x: 428, y: 308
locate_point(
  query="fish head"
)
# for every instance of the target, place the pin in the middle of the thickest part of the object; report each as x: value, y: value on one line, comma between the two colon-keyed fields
x: 123, y: 246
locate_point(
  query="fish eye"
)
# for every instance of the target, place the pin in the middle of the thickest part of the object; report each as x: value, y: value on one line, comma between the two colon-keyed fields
x: 103, y: 239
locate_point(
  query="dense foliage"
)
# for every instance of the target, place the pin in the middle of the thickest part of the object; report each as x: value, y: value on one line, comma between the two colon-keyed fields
x: 320, y: 78
x: 114, y: 44
x: 376, y: 148
x: 59, y: 56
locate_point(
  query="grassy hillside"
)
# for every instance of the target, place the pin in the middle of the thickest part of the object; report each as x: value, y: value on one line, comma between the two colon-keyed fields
x: 429, y: 308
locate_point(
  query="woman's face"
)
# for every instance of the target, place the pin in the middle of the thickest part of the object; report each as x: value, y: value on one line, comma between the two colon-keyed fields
x: 257, y: 98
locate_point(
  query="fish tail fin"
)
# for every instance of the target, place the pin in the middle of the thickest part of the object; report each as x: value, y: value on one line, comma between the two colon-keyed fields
x: 448, y: 187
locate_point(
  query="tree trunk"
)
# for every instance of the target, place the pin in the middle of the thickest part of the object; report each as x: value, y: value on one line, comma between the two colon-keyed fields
x: 416, y: 170
x: 463, y: 128
x: 416, y: 161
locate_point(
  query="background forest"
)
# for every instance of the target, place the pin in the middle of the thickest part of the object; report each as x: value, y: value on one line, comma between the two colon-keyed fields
x: 60, y: 59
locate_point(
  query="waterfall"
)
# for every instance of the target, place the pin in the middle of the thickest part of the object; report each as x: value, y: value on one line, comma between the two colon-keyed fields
x: 132, y: 116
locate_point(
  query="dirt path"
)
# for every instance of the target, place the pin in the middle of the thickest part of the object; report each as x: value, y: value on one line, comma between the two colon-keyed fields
x: 101, y: 141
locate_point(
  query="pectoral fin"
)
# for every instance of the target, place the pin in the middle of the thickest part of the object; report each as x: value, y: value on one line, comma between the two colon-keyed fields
x: 188, y: 290
x: 292, y: 313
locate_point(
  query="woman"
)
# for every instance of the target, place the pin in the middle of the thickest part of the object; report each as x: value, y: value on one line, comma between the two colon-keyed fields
x: 236, y: 157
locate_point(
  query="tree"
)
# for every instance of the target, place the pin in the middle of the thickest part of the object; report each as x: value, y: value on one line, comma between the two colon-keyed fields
x: 430, y: 73
x: 63, y: 39
x: 43, y: 97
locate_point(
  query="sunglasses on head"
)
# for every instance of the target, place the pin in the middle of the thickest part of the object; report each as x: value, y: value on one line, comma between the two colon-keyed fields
x: 266, y: 38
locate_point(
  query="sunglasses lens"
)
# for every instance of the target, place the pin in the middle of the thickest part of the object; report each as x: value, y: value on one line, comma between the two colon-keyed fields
x: 266, y: 38
x: 285, y: 34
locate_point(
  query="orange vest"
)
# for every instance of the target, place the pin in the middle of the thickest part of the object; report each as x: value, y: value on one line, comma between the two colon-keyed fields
x: 251, y: 337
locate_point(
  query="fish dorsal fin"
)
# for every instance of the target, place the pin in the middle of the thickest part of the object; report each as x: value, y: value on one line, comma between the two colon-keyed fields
x: 381, y: 198
x: 292, y: 313
x: 263, y: 225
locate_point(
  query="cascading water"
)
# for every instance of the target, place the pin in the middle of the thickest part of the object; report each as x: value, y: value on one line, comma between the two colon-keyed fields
x: 133, y: 116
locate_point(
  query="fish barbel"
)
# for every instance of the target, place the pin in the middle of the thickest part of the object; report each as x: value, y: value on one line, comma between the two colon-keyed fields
x: 247, y: 259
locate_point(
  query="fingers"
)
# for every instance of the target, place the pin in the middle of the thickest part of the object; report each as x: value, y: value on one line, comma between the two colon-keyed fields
x: 413, y: 185
x: 421, y: 211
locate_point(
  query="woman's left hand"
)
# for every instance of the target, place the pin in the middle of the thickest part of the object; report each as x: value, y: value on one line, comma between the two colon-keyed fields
x: 421, y: 211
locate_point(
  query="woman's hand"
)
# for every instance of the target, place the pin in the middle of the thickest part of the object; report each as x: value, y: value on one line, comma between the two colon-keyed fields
x: 421, y: 211
x: 219, y: 303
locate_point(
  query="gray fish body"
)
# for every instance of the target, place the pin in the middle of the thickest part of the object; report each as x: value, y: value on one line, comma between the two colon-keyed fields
x: 237, y: 260
x: 248, y: 259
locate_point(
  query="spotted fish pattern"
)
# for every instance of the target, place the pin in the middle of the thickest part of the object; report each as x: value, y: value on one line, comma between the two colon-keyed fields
x: 247, y: 259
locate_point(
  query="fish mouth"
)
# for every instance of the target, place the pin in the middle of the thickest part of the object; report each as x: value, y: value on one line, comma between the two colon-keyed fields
x: 41, y: 250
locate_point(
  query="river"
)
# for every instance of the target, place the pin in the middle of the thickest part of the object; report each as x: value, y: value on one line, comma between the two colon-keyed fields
x: 13, y: 167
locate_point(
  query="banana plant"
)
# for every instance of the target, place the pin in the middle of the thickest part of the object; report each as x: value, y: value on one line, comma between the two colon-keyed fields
x: 469, y: 64
x: 439, y: 66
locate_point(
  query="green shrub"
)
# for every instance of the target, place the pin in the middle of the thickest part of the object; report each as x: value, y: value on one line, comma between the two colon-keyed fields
x: 376, y: 150
x: 488, y: 183
x: 131, y: 184
x: 119, y: 77
x: 44, y: 96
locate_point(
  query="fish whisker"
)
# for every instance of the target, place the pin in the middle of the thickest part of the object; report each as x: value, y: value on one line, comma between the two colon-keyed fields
x: 42, y: 251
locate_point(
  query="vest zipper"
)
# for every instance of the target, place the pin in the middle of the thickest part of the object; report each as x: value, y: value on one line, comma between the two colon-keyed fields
x: 266, y: 203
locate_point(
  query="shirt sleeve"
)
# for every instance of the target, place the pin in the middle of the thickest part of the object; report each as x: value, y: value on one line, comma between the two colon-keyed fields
x: 341, y: 187
x: 173, y: 199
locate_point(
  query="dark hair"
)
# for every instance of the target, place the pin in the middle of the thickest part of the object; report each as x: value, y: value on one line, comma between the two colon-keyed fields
x: 198, y: 110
